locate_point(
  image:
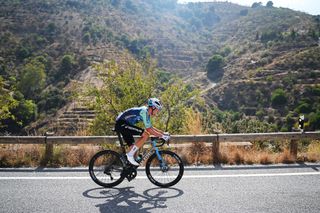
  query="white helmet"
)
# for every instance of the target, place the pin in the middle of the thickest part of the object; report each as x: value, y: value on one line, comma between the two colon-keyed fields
x: 155, y: 102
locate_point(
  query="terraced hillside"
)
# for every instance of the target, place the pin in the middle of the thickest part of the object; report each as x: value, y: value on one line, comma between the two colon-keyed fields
x: 263, y: 49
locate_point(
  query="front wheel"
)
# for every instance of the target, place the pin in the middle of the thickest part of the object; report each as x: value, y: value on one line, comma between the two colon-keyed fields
x: 106, y: 168
x: 167, y: 172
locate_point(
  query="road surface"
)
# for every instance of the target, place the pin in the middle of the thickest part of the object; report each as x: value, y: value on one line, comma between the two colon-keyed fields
x: 274, y: 188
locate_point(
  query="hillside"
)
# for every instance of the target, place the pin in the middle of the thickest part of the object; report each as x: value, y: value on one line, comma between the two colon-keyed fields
x: 263, y: 49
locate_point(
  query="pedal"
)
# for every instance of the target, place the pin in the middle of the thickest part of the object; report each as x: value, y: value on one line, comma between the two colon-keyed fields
x: 130, y: 173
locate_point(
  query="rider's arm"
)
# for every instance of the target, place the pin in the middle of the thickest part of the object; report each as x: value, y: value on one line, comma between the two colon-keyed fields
x: 154, y: 131
x: 147, y: 123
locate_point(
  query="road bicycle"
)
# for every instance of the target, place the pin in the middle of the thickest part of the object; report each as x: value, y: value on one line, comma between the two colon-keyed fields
x: 164, y: 168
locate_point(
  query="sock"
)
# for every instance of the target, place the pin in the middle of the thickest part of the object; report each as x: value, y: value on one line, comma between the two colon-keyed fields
x: 133, y: 150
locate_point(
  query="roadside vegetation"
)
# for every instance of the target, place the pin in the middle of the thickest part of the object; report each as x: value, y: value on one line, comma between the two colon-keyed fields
x: 195, y: 154
x: 264, y: 62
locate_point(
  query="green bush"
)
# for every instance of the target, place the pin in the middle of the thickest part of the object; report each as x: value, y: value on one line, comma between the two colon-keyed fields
x: 33, y: 79
x: 278, y: 98
x: 67, y: 64
x: 270, y: 35
x: 269, y: 4
x: 22, y: 52
x: 304, y: 108
x: 314, y: 121
x: 86, y: 37
x: 214, y: 67
x: 24, y: 113
x: 51, y: 100
x: 244, y: 12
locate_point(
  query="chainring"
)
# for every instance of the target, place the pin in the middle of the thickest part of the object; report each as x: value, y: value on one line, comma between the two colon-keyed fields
x: 130, y: 173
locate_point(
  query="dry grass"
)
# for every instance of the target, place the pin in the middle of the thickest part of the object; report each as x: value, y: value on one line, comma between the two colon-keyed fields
x: 313, y: 152
x: 33, y: 155
x: 68, y: 155
x: 21, y: 155
x: 196, y: 154
x: 232, y: 155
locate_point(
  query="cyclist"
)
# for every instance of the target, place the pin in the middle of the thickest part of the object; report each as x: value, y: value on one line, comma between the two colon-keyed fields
x: 126, y: 121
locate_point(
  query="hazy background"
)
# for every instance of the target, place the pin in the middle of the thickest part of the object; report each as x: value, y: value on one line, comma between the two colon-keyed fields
x: 308, y: 6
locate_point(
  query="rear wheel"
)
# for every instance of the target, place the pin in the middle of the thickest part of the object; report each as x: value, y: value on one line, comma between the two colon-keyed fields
x: 166, y: 173
x: 106, y: 168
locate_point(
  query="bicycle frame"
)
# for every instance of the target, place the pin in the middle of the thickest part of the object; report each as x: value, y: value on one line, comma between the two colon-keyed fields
x: 153, y: 149
x: 145, y: 156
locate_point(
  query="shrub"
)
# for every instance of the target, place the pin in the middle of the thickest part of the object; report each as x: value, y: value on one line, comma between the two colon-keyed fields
x: 256, y: 5
x: 304, y: 108
x: 268, y: 36
x: 269, y: 4
x: 244, y: 12
x: 278, y: 98
x: 214, y: 67
x: 314, y: 121
x: 33, y: 79
x: 67, y: 64
x: 22, y: 52
x: 51, y: 99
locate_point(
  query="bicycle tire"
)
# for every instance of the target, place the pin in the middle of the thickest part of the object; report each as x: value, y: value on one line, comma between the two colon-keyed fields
x: 116, y: 165
x: 166, y: 155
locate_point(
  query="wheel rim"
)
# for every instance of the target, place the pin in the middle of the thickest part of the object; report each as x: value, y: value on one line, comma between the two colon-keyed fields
x: 107, y: 168
x: 167, y: 171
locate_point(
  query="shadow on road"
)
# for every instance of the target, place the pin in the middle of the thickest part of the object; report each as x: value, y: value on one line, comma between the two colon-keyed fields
x: 315, y: 167
x: 127, y: 200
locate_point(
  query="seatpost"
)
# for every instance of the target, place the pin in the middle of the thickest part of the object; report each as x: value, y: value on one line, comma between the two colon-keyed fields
x: 121, y: 142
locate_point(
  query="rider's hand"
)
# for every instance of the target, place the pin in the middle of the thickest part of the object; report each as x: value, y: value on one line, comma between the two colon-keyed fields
x: 165, y: 137
x: 166, y: 133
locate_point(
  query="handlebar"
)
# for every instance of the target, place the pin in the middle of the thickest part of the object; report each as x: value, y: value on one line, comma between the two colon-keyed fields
x: 159, y: 140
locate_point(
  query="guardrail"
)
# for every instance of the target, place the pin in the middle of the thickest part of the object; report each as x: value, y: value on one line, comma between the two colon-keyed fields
x: 215, y: 139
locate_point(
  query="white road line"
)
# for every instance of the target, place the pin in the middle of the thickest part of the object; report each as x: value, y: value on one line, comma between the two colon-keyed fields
x: 185, y: 176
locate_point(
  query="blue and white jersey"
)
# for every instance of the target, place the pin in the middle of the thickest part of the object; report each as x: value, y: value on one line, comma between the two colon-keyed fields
x: 135, y: 115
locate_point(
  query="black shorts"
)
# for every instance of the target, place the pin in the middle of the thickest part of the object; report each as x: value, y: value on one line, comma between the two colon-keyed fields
x: 128, y: 131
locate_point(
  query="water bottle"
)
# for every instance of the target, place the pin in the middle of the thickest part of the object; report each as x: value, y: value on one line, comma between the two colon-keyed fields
x: 139, y: 158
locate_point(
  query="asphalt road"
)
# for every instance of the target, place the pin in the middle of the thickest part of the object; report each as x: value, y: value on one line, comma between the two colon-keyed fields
x: 276, y: 188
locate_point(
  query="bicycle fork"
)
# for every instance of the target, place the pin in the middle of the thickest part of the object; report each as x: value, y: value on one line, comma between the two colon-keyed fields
x: 163, y: 165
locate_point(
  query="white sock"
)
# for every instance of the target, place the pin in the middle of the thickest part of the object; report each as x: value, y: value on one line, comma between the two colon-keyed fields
x: 133, y: 150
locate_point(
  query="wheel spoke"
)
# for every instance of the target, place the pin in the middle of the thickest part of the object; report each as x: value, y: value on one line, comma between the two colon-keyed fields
x: 106, y: 168
x: 169, y: 173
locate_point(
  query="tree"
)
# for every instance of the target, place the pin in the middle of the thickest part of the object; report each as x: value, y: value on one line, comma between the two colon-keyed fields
x: 314, y: 120
x: 175, y: 97
x: 244, y: 12
x: 293, y: 34
x: 123, y: 86
x: 7, y: 102
x: 33, y: 79
x: 270, y: 35
x: 51, y: 99
x: 86, y: 38
x: 24, y: 112
x: 214, y: 67
x: 278, y: 98
x: 256, y: 4
x: 290, y: 121
x: 22, y: 52
x: 67, y: 64
x: 269, y: 4
x: 130, y: 84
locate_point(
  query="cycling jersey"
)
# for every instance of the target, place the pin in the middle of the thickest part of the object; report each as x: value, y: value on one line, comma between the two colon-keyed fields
x: 135, y: 115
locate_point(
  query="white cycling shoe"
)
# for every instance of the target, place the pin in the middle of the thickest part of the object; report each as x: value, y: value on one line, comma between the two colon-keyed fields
x: 132, y: 161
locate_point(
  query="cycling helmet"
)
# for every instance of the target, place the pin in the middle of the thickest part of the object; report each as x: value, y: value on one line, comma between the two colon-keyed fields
x: 155, y: 102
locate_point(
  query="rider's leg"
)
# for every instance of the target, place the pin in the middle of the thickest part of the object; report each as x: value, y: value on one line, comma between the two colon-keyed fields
x: 144, y: 137
x: 128, y: 131
x: 134, y: 148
